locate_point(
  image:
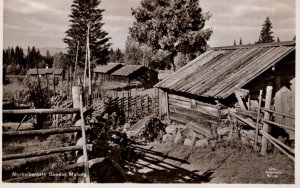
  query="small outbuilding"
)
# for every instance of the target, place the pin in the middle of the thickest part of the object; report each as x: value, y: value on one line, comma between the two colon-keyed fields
x: 47, y: 76
x: 103, y: 72
x: 230, y: 77
x: 135, y: 74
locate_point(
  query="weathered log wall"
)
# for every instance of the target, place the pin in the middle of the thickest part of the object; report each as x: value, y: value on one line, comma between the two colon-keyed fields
x: 184, y: 110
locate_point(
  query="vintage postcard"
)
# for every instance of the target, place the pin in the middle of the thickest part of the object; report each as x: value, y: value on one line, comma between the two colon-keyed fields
x: 149, y: 92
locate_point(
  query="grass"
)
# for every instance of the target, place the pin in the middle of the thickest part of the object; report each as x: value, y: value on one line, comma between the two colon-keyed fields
x: 234, y: 164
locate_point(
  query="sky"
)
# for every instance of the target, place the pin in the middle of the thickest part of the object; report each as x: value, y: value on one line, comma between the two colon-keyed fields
x: 42, y: 23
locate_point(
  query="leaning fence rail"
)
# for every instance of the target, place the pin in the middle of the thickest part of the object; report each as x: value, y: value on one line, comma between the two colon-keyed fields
x: 77, y: 109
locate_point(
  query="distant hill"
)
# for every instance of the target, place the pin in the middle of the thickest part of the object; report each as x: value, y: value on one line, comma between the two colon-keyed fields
x: 52, y: 50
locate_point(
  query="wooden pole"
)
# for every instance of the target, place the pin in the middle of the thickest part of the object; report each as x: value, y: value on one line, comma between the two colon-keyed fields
x: 257, y: 120
x: 89, y: 64
x: 40, y: 153
x: 266, y: 135
x: 84, y: 145
x: 279, y: 125
x: 283, y: 114
x: 44, y: 131
x: 278, y: 142
x: 21, y: 122
x: 85, y: 68
x: 76, y: 59
x: 42, y: 111
x: 277, y: 146
x: 241, y: 103
x: 264, y: 142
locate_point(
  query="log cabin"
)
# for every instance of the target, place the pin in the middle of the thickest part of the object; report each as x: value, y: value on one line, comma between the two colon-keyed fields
x: 135, y: 74
x: 199, y: 93
x: 103, y: 72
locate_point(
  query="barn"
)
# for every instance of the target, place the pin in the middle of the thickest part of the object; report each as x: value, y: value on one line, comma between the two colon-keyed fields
x: 135, y: 74
x: 201, y: 92
x: 103, y: 72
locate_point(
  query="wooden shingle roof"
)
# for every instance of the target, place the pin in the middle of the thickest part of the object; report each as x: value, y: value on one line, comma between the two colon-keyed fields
x: 44, y: 71
x: 127, y: 70
x: 220, y: 71
x: 108, y: 68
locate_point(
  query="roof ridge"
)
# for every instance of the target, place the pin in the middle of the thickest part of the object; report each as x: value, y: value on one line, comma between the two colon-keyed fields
x: 273, y: 44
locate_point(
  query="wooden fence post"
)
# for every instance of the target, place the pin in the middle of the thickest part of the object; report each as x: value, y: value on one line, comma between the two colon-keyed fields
x: 148, y: 104
x: 264, y: 142
x: 84, y: 144
x: 76, y: 96
x: 142, y: 106
x: 136, y: 111
x: 257, y: 120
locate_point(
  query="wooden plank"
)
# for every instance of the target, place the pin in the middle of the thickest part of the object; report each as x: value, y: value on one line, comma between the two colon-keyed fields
x: 209, y: 110
x: 84, y: 144
x: 257, y: 120
x: 276, y: 145
x: 207, y: 104
x: 241, y: 103
x: 200, y: 129
x: 279, y: 125
x: 45, y: 131
x: 180, y: 103
x: 178, y: 97
x: 248, y: 113
x: 41, y: 153
x: 42, y: 111
x: 194, y: 114
x: 184, y: 119
x: 266, y: 135
x: 282, y: 114
x: 264, y: 142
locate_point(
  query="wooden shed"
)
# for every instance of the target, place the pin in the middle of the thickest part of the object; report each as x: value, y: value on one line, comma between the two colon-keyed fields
x: 230, y: 77
x: 47, y: 76
x: 103, y: 72
x: 137, y: 74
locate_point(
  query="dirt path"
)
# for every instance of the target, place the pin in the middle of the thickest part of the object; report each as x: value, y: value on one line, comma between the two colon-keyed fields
x: 166, y: 163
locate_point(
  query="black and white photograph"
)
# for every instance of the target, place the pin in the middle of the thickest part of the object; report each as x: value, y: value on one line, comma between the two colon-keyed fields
x: 149, y: 92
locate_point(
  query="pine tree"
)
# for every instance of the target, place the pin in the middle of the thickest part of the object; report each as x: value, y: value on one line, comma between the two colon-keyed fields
x: 84, y: 12
x: 266, y: 32
x: 172, y: 26
x: 241, y: 42
x: 234, y: 43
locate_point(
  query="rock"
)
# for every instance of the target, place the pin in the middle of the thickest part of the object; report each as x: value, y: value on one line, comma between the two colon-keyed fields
x: 223, y: 131
x: 179, y: 139
x: 188, y: 142
x: 171, y: 129
x: 189, y: 133
x: 201, y: 143
x: 167, y: 138
x: 245, y: 140
x: 126, y: 127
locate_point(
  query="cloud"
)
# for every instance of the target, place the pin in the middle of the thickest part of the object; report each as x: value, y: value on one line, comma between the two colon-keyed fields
x: 232, y: 19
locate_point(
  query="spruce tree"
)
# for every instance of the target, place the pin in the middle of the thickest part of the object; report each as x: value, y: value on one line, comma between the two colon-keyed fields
x: 84, y: 13
x: 241, y: 42
x: 266, y: 32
